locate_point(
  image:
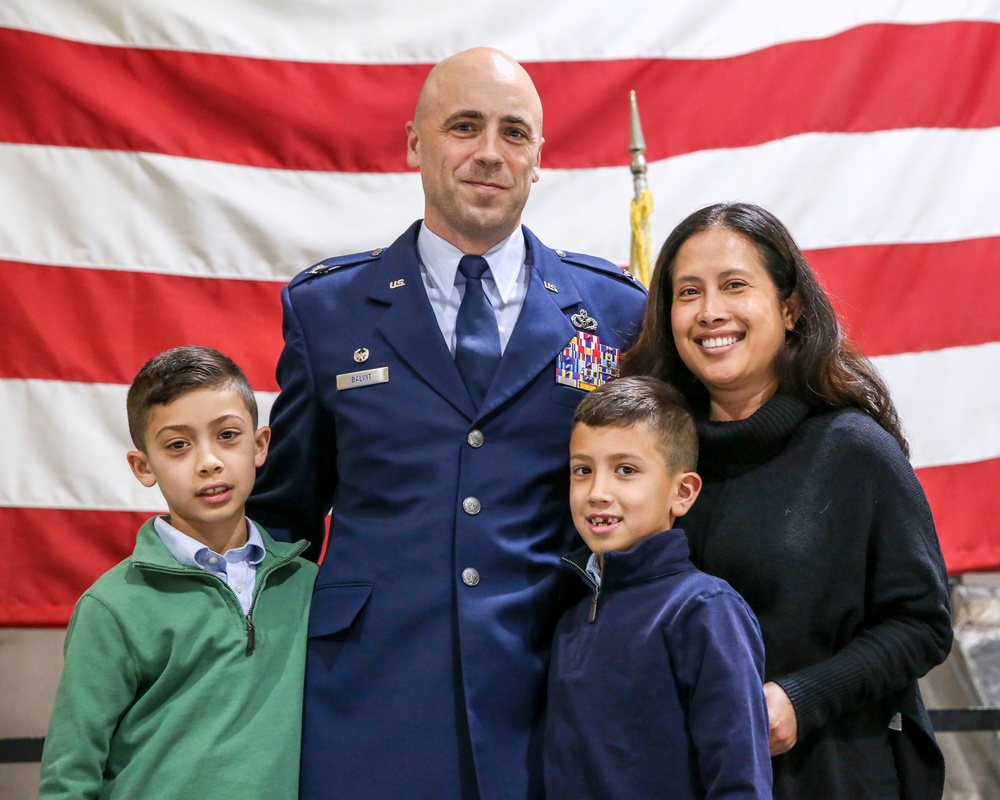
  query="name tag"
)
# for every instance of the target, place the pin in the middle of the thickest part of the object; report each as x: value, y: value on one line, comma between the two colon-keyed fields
x: 366, y: 377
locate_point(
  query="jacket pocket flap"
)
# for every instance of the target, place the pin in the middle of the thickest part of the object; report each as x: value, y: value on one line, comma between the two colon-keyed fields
x: 336, y: 606
x: 567, y: 395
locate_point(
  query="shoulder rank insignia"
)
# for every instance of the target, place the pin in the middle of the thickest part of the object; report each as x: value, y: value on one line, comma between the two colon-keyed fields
x: 339, y: 262
x: 586, y: 363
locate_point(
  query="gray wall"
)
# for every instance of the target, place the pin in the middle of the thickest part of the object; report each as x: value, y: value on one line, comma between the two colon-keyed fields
x: 30, y: 663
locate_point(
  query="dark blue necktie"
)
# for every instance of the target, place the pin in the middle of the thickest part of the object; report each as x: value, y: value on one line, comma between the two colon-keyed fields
x: 477, y: 347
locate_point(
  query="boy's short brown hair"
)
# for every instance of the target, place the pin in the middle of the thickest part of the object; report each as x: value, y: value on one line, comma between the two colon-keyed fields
x: 175, y: 372
x: 642, y: 400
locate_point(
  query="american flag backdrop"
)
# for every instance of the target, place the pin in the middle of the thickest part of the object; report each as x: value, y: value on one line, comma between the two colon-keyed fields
x: 166, y: 165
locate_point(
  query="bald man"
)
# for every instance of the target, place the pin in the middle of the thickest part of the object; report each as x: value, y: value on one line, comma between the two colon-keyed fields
x: 427, y: 396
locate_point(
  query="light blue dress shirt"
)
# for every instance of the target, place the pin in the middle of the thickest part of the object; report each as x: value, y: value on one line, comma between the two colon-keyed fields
x: 237, y: 568
x: 506, y: 283
x: 594, y: 568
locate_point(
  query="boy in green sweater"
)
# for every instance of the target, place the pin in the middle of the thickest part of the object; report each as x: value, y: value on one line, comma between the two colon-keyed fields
x: 184, y: 663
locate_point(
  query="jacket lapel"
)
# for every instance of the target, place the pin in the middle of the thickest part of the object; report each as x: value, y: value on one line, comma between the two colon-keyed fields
x: 543, y: 327
x: 409, y: 324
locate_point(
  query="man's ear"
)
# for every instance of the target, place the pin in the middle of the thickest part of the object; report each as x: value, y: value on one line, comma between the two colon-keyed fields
x: 412, y: 146
x: 139, y: 463
x: 536, y: 172
x: 686, y: 490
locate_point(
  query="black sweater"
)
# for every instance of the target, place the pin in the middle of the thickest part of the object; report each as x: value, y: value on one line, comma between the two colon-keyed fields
x: 820, y: 523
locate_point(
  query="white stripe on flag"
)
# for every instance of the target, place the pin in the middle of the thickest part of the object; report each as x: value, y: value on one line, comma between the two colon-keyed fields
x: 948, y: 402
x: 385, y: 31
x: 71, y: 440
x: 269, y: 224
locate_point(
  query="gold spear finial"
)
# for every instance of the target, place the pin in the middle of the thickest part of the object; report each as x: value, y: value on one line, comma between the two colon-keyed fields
x: 642, y: 204
x: 637, y: 147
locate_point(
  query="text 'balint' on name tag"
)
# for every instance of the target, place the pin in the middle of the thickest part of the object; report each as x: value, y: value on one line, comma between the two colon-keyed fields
x: 366, y: 377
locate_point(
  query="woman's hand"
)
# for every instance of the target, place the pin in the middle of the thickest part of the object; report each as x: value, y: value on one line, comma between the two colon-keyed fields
x: 781, y: 718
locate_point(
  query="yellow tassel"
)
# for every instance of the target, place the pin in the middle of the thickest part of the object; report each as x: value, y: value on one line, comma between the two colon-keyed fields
x: 642, y: 212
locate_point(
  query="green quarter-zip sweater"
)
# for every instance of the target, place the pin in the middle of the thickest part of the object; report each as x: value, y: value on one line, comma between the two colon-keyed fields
x: 170, y: 691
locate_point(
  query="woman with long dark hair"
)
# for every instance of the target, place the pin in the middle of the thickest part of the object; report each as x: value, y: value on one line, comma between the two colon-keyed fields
x: 810, y: 508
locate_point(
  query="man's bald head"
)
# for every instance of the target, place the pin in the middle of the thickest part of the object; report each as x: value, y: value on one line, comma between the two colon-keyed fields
x: 476, y: 138
x: 478, y: 60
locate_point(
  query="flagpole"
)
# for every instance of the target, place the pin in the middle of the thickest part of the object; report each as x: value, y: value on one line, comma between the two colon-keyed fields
x: 642, y: 203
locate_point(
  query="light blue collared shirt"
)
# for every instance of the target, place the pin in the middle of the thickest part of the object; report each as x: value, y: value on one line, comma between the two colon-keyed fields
x: 237, y: 567
x: 594, y: 568
x: 506, y: 283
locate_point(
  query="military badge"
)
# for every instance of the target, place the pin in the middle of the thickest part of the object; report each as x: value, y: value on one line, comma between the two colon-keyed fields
x: 586, y: 363
x: 584, y: 321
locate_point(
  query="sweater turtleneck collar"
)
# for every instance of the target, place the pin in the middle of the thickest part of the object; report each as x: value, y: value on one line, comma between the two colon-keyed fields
x: 728, y: 449
x: 664, y: 553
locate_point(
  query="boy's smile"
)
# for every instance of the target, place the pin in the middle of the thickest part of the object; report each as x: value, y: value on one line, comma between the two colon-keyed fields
x: 621, y: 488
x: 203, y: 452
x: 601, y: 524
x: 220, y: 492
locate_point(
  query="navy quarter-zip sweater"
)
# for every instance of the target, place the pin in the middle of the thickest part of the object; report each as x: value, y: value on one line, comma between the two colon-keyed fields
x: 660, y: 695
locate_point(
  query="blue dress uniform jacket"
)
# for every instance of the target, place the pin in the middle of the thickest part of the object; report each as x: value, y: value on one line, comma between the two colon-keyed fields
x: 434, y: 608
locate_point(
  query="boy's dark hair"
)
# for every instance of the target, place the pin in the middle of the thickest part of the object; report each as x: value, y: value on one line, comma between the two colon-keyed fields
x: 172, y: 373
x: 631, y: 401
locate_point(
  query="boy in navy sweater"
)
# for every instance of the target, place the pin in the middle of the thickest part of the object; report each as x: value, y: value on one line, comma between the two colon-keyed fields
x: 655, y: 688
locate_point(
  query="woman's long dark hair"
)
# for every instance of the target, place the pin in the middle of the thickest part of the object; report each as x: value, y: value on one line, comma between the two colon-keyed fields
x: 817, y: 363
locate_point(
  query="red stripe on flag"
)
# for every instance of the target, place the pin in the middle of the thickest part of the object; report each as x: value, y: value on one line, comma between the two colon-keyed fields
x: 61, y: 553
x: 891, y: 298
x: 906, y: 298
x: 965, y: 512
x: 100, y: 326
x: 347, y: 117
x: 258, y: 112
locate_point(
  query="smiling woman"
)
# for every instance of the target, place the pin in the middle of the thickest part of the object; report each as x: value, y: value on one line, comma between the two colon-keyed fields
x: 809, y: 507
x: 815, y: 361
x: 728, y: 321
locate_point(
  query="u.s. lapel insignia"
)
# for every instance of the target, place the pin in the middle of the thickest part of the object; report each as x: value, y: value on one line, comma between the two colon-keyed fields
x: 361, y: 355
x: 583, y: 321
x: 585, y: 363
x: 550, y: 286
x: 397, y: 283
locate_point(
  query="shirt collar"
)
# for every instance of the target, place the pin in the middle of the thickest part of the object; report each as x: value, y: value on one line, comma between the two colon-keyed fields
x: 192, y: 553
x: 440, y: 258
x: 594, y: 568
